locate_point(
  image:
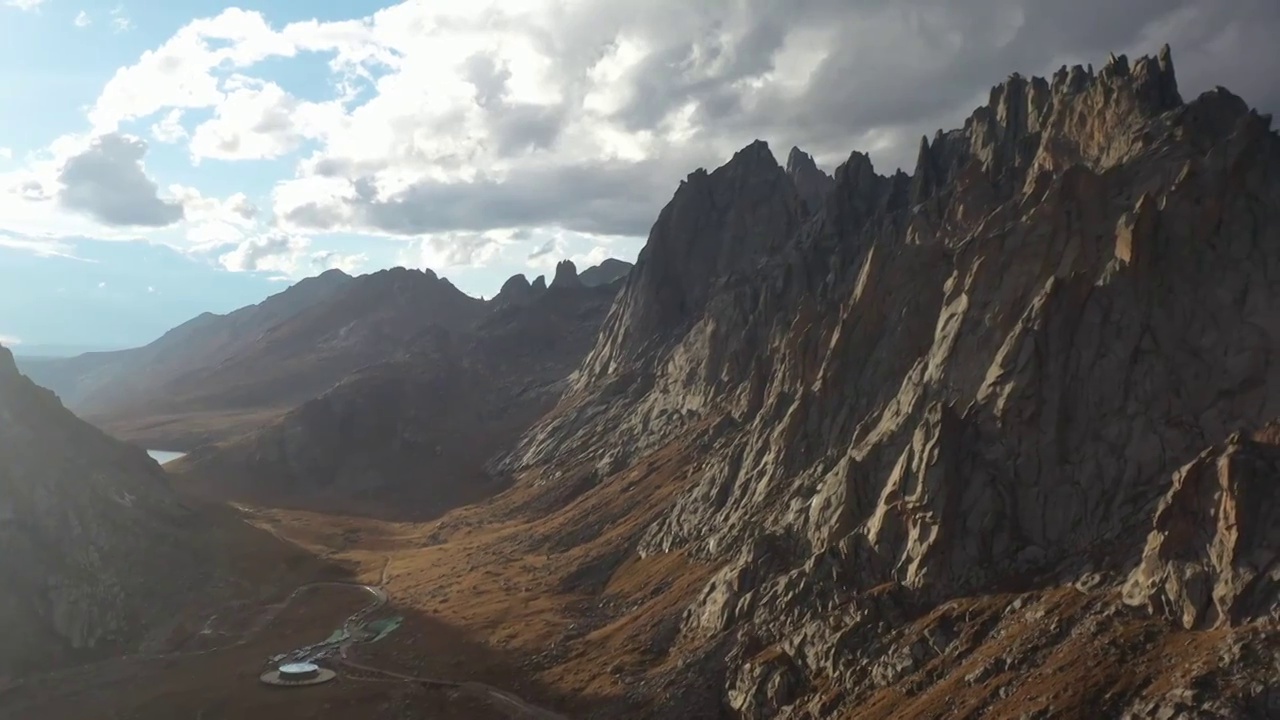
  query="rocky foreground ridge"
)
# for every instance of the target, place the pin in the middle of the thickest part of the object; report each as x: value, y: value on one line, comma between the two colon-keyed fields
x: 96, y: 551
x: 989, y: 439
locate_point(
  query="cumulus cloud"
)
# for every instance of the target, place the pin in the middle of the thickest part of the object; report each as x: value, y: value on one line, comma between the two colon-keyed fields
x: 25, y: 4
x: 82, y: 19
x: 6, y: 153
x: 455, y: 250
x: 450, y: 122
x: 108, y: 182
x: 170, y: 129
x: 287, y: 254
x: 259, y: 120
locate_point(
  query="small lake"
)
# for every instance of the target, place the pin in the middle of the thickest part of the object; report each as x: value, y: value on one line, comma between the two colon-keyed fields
x: 164, y: 456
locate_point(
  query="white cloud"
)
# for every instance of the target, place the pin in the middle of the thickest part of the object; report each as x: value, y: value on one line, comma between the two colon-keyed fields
x: 102, y: 285
x: 169, y: 129
x: 120, y: 22
x: 40, y: 247
x: 6, y: 153
x: 257, y: 119
x: 286, y: 254
x: 454, y: 250
x: 178, y: 74
x: 82, y: 19
x: 594, y: 256
x: 9, y: 340
x: 25, y: 4
x: 151, y: 290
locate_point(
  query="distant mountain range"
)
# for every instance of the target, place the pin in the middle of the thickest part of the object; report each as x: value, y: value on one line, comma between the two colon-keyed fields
x: 217, y: 376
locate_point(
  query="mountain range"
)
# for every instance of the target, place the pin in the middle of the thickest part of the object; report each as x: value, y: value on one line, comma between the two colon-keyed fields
x: 997, y: 438
x: 218, y: 376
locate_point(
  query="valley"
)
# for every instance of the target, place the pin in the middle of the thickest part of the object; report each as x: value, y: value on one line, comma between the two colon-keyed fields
x: 998, y: 439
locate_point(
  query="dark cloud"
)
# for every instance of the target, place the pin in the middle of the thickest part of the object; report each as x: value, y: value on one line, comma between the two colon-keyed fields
x: 543, y: 250
x: 517, y: 127
x: 488, y: 77
x: 107, y: 182
x: 610, y: 198
x: 883, y: 74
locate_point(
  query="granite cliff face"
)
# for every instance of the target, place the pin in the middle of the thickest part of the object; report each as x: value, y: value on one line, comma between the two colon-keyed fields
x: 935, y: 422
x: 88, y: 526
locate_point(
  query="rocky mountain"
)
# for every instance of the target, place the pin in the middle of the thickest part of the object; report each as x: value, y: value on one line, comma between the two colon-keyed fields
x: 967, y: 441
x: 98, y: 381
x: 218, y: 376
x: 412, y: 434
x: 810, y: 182
x: 609, y: 271
x: 96, y: 551
x: 996, y: 438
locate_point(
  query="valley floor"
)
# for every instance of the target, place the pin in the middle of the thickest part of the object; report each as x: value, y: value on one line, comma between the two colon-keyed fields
x: 213, y: 676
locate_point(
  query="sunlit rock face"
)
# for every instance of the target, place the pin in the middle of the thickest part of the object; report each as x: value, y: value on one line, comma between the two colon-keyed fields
x: 931, y: 409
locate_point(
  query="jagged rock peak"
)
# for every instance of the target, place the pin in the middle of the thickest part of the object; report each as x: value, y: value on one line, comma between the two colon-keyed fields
x: 756, y: 153
x: 608, y: 271
x: 539, y: 283
x: 566, y: 275
x: 515, y: 283
x: 1030, y: 125
x: 811, y: 182
x: 8, y: 366
x: 715, y: 224
x: 799, y: 161
x: 516, y: 290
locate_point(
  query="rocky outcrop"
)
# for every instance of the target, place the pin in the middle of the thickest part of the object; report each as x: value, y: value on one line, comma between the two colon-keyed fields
x: 811, y: 183
x: 606, y: 273
x: 88, y: 526
x: 1213, y: 556
x: 515, y: 291
x: 566, y: 276
x: 973, y: 380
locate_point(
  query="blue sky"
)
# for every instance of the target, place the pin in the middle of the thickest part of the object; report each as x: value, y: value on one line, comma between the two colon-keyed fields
x: 160, y: 160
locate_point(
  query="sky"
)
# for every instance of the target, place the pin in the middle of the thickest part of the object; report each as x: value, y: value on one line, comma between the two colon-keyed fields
x: 158, y: 160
